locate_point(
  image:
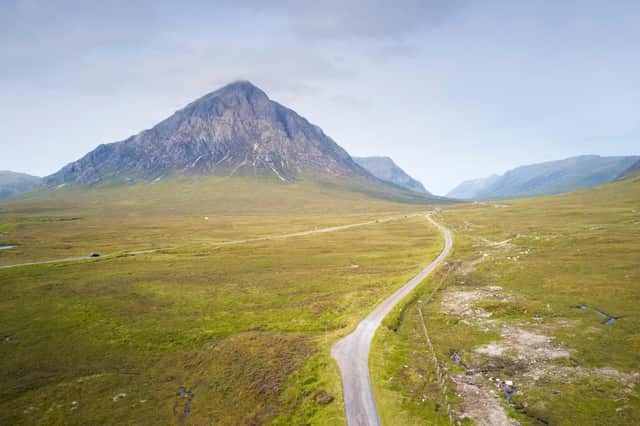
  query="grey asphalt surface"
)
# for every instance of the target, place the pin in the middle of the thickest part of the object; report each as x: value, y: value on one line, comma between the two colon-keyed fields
x: 352, y: 352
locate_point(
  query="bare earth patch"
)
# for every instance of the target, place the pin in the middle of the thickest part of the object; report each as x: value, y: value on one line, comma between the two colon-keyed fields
x: 520, y: 342
x: 571, y: 374
x: 481, y: 404
x: 461, y: 303
x: 481, y: 400
x: 524, y: 355
x: 525, y: 345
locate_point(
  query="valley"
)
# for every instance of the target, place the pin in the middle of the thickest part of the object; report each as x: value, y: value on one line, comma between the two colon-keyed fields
x: 333, y: 213
x: 539, y: 294
x: 244, y: 329
x: 239, y: 303
x: 233, y: 265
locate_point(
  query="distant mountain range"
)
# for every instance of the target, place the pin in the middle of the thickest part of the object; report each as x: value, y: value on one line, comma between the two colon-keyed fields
x: 238, y: 130
x: 12, y: 183
x: 633, y: 170
x: 386, y: 169
x: 546, y: 178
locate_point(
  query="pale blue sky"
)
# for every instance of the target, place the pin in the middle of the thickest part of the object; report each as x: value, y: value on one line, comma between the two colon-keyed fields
x: 451, y: 90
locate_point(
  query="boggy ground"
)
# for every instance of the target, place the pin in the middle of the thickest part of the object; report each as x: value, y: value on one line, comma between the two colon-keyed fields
x: 194, y: 333
x: 511, y: 307
x: 175, y: 213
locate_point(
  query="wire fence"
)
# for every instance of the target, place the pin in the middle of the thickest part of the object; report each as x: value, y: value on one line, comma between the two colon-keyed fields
x: 441, y: 376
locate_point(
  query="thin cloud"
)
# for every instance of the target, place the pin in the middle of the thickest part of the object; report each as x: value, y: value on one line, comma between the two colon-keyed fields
x: 426, y: 82
x: 367, y: 19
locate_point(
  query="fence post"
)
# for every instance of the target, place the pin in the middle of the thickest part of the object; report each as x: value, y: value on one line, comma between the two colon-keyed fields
x: 442, y: 379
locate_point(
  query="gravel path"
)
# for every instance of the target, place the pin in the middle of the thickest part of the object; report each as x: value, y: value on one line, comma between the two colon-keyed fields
x: 229, y: 243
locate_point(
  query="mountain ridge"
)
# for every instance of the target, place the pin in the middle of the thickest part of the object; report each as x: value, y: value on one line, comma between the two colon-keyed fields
x: 634, y: 169
x: 386, y: 169
x: 545, y: 178
x: 15, y: 183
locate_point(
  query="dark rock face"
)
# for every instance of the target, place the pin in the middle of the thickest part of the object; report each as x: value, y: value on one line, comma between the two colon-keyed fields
x: 386, y: 169
x: 234, y: 130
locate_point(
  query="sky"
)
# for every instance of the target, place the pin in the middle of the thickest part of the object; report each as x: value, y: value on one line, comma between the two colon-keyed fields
x: 450, y: 89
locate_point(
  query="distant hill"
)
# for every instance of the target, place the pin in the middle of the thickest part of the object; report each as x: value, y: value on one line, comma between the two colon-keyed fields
x: 633, y: 170
x: 546, y: 178
x: 469, y: 189
x: 386, y: 169
x: 12, y: 183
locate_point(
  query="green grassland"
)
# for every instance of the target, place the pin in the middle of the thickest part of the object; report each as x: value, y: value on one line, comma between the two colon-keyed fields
x: 548, y: 255
x: 72, y: 221
x: 245, y: 329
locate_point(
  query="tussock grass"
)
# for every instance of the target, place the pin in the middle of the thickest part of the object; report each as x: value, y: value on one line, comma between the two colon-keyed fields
x: 562, y: 251
x: 242, y: 328
x: 74, y: 221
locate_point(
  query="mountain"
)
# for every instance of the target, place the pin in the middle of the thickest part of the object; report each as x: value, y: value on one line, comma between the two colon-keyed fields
x: 386, y: 169
x: 12, y: 183
x: 236, y: 130
x: 633, y: 170
x: 546, y: 178
x: 467, y: 190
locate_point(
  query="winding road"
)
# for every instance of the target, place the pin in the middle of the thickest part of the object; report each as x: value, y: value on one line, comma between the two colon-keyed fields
x: 352, y: 352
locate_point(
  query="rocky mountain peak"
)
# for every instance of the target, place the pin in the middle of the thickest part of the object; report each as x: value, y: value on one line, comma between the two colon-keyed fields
x: 239, y: 93
x: 234, y: 130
